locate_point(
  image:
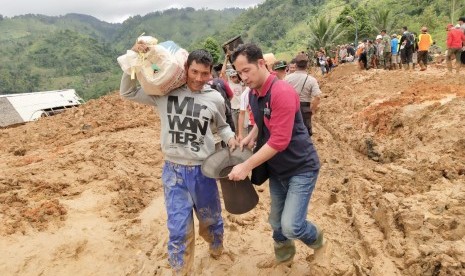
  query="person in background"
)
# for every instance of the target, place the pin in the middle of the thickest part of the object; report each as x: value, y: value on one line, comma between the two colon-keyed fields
x: 280, y: 68
x: 221, y: 86
x: 343, y: 53
x: 362, y: 55
x: 424, y: 42
x: 387, y: 52
x: 188, y: 114
x: 370, y: 51
x: 329, y: 64
x: 292, y: 67
x: 290, y: 156
x: 351, y: 50
x: 379, y: 50
x: 230, y: 76
x: 322, y: 62
x: 455, y: 40
x: 245, y: 116
x: 407, y: 42
x: 461, y: 21
x: 415, y: 50
x: 308, y: 89
x: 395, y: 60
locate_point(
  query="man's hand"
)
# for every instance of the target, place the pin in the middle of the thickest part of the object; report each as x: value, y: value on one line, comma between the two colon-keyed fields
x: 239, y: 172
x: 232, y: 143
x: 315, y: 104
x: 314, y: 109
x: 247, y: 141
x: 140, y: 47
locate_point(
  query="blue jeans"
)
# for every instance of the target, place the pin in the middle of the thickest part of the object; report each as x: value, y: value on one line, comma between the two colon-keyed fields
x: 289, y: 207
x: 187, y: 189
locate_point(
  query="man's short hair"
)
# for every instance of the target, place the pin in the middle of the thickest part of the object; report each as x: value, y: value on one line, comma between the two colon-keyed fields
x: 383, y: 31
x: 301, y: 60
x: 405, y: 28
x: 462, y: 19
x: 302, y: 64
x: 251, y: 51
x: 200, y: 56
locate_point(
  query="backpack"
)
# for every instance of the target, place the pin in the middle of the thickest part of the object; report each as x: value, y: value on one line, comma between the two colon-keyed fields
x: 410, y: 39
x: 218, y: 85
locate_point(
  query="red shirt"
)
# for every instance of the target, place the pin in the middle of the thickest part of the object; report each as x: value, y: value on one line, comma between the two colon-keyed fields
x: 284, y: 105
x: 455, y: 38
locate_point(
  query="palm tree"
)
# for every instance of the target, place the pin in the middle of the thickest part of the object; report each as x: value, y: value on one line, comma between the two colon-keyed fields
x: 383, y: 20
x: 324, y: 33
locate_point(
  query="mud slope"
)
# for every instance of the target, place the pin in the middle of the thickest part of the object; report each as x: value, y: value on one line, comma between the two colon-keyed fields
x: 80, y: 192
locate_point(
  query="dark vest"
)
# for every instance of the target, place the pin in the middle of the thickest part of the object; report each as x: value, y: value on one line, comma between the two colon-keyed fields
x: 300, y: 156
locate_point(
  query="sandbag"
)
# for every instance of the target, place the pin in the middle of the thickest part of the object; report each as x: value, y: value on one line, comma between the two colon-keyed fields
x: 160, y: 70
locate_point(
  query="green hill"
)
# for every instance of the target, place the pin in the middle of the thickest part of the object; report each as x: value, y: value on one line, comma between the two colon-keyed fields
x: 77, y: 51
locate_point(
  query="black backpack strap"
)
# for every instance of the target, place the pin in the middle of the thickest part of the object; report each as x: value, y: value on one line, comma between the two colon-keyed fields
x: 302, y: 89
x: 260, y: 120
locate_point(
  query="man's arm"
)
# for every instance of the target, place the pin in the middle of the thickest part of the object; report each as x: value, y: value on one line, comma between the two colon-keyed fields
x: 129, y: 90
x: 240, y: 127
x: 228, y: 90
x: 315, y: 103
x: 449, y: 39
x: 223, y: 68
x: 242, y: 170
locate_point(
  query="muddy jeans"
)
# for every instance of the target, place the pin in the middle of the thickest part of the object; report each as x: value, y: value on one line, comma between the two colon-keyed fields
x: 387, y: 60
x: 289, y: 207
x: 457, y: 52
x: 187, y: 189
x: 406, y: 55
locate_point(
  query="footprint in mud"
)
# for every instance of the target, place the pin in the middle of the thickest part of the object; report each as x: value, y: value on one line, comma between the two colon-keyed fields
x: 218, y: 265
x: 242, y: 220
x: 322, y: 256
x: 270, y: 262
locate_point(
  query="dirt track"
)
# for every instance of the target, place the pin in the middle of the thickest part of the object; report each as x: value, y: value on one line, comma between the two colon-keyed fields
x: 80, y: 193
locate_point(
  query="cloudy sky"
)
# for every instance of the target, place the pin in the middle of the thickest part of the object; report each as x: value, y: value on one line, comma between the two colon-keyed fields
x: 112, y: 10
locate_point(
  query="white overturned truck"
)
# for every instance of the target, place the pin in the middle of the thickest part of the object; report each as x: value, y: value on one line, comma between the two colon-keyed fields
x: 25, y: 107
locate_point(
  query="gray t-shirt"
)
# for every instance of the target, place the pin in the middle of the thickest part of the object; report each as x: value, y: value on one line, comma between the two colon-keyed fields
x: 187, y: 120
x: 305, y: 88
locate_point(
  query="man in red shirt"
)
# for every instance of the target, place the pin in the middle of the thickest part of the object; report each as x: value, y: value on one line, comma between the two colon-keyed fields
x: 455, y: 40
x: 288, y: 152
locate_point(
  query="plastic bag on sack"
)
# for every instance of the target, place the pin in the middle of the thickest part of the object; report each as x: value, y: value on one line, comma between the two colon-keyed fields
x: 132, y: 61
x: 163, y: 69
x: 160, y: 70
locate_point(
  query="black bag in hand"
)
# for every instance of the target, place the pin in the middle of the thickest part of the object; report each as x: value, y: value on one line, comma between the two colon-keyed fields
x: 260, y: 174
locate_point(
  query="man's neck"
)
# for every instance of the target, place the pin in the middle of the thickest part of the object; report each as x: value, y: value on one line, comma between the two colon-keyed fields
x: 259, y: 89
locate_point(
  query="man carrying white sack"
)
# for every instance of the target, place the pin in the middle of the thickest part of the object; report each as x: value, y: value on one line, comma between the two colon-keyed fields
x: 187, y: 116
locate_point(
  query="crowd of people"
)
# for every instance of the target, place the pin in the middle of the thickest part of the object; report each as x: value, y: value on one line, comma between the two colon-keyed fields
x: 260, y: 99
x: 403, y: 50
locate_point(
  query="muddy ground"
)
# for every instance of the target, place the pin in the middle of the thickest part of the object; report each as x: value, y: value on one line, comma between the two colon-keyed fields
x: 80, y: 192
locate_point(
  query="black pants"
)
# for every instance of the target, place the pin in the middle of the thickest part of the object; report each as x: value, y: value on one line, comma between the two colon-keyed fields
x: 363, y: 58
x: 406, y: 55
x: 306, y: 116
x: 423, y: 57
